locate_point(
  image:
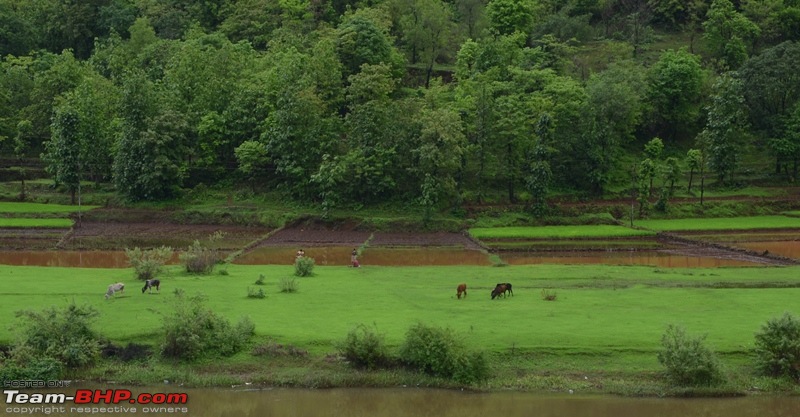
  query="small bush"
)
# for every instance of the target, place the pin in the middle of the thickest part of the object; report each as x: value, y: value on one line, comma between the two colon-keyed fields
x: 438, y: 352
x: 260, y: 280
x: 49, y: 341
x: 304, y: 266
x: 147, y: 264
x: 687, y: 360
x: 193, y: 331
x: 198, y: 259
x: 256, y: 293
x: 288, y: 285
x: 365, y: 348
x: 549, y: 296
x: 778, y: 347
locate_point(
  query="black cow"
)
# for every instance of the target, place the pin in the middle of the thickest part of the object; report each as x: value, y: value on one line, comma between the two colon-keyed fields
x: 150, y: 283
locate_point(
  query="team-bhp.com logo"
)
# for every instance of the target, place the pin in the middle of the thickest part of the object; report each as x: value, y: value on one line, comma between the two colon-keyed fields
x: 94, y: 402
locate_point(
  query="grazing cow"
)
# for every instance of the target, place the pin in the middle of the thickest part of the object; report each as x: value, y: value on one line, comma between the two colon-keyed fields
x: 501, y: 289
x: 462, y: 289
x: 115, y: 288
x: 150, y: 284
x: 508, y: 288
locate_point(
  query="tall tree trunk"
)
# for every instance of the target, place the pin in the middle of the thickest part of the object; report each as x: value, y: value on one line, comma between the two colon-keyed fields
x: 691, y: 177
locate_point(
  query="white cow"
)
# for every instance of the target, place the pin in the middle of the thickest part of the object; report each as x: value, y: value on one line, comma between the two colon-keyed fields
x: 115, y: 288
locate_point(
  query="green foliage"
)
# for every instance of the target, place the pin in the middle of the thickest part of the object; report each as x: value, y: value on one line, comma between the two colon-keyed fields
x: 148, y: 263
x: 439, y: 352
x: 256, y: 293
x: 52, y: 339
x: 365, y: 348
x: 260, y: 280
x: 687, y: 360
x: 778, y: 347
x: 288, y: 284
x: 509, y: 16
x: 728, y: 32
x: 304, y: 266
x: 199, y: 259
x: 193, y: 331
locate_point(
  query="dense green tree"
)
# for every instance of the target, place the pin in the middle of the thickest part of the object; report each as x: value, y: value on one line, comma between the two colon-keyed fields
x: 361, y: 41
x: 616, y: 99
x: 17, y: 32
x: 725, y: 128
x: 729, y: 33
x: 63, y: 152
x: 771, y: 87
x: 675, y: 92
x: 149, y: 162
x: 299, y: 130
x: 509, y: 16
x: 427, y: 31
x: 693, y: 162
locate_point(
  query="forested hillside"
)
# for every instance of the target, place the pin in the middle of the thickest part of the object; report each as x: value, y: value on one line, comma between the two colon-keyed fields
x: 438, y: 102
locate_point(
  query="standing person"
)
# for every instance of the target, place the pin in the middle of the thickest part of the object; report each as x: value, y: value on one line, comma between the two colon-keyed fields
x: 354, y: 258
x: 301, y: 253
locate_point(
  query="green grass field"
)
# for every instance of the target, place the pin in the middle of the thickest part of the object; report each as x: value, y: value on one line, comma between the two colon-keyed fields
x: 556, y: 232
x: 35, y: 208
x: 731, y: 223
x: 600, y: 310
x: 31, y: 223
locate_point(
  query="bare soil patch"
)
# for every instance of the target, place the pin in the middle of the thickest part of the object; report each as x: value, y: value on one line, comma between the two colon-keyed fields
x: 103, y: 235
x: 315, y: 236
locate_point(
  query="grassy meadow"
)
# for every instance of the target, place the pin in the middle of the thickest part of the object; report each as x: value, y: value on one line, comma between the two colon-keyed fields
x: 728, y: 223
x: 600, y: 310
x: 35, y: 223
x: 556, y: 232
x: 38, y: 208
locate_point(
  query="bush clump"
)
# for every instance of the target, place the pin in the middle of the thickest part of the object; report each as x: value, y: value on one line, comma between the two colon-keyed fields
x: 688, y: 360
x: 438, y: 352
x: 199, y: 259
x: 147, y: 264
x: 304, y: 266
x: 288, y: 285
x: 778, y: 347
x: 51, y: 340
x: 365, y: 348
x: 256, y: 293
x: 193, y: 331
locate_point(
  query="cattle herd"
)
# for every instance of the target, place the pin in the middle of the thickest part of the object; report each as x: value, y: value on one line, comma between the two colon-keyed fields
x: 501, y: 289
x: 120, y: 287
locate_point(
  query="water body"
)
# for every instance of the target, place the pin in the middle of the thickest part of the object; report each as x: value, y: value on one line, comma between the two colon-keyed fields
x: 412, y: 402
x: 340, y: 256
x: 787, y: 248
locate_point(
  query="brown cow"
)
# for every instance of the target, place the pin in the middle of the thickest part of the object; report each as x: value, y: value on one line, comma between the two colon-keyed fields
x: 462, y: 288
x: 499, y: 290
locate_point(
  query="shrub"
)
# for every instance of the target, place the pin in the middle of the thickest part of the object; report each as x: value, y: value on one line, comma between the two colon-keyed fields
x: 687, y: 360
x: 288, y: 285
x: 49, y: 341
x: 438, y: 352
x: 549, y: 296
x: 304, y: 266
x: 192, y: 331
x: 198, y: 259
x: 148, y: 263
x: 256, y: 293
x: 365, y: 348
x: 778, y: 347
x: 260, y: 280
